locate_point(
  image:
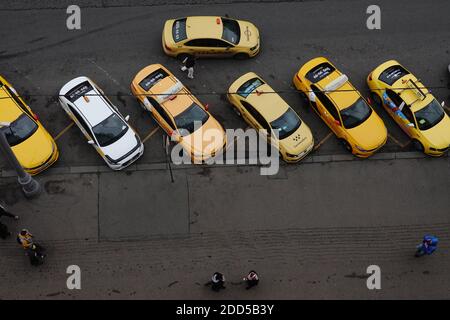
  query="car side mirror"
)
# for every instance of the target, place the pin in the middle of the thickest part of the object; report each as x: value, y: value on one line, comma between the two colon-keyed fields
x: 127, y: 118
x: 312, y: 96
x: 175, y: 136
x: 91, y: 142
x: 147, y: 104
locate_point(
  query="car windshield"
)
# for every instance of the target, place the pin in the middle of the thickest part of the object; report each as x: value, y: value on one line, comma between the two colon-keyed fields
x: 110, y: 130
x: 20, y: 130
x: 288, y: 123
x: 231, y: 31
x: 429, y: 116
x: 191, y: 119
x: 356, y: 114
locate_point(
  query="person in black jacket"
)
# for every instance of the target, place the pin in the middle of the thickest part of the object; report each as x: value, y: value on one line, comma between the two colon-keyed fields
x: 4, y: 232
x: 217, y: 282
x: 189, y: 63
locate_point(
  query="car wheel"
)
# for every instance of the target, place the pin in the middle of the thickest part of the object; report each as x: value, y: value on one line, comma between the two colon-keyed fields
x: 346, y: 145
x: 418, y: 145
x: 241, y: 56
x: 376, y: 99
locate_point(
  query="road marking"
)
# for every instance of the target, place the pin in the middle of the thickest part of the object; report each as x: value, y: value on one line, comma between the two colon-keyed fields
x: 108, y: 75
x: 398, y: 142
x: 317, y: 146
x: 63, y: 131
x: 150, y: 134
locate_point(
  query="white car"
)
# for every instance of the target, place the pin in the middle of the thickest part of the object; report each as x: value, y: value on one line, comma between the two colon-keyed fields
x: 101, y: 123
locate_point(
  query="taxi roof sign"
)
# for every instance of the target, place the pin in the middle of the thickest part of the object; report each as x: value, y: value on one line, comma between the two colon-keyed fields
x: 336, y: 83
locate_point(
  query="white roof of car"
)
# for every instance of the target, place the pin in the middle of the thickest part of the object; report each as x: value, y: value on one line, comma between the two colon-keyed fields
x: 91, y: 105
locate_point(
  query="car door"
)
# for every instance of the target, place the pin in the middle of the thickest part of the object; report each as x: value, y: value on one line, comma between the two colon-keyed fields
x: 259, y: 122
x: 207, y: 47
x: 78, y: 119
x: 400, y: 112
x: 161, y: 116
x: 330, y: 114
x: 246, y: 114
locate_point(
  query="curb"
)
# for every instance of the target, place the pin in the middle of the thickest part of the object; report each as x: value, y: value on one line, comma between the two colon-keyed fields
x: 163, y: 165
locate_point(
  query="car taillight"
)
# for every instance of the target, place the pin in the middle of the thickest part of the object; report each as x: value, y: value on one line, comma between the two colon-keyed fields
x: 167, y: 48
x: 298, y: 77
x: 370, y: 76
x: 35, y: 117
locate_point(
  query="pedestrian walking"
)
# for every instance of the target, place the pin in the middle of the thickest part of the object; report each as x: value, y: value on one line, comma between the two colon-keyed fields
x: 4, y: 232
x: 251, y: 279
x: 428, y: 246
x: 25, y: 239
x: 188, y: 64
x: 217, y: 282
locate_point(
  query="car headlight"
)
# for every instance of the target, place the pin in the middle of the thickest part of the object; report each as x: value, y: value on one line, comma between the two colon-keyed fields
x: 110, y: 159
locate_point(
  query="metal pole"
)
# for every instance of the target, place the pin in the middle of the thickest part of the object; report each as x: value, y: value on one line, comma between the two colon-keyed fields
x: 30, y: 187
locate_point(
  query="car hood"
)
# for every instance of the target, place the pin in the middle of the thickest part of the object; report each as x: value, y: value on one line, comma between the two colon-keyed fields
x: 122, y: 146
x: 298, y: 141
x: 207, y: 139
x: 370, y: 134
x: 36, y: 150
x: 439, y: 135
x: 249, y: 34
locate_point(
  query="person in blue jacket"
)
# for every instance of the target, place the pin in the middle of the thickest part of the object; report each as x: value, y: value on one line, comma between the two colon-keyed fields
x: 428, y: 245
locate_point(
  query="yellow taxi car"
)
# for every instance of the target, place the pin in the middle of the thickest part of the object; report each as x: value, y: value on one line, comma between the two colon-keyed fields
x: 209, y: 36
x: 412, y: 106
x: 263, y: 109
x: 179, y: 113
x: 341, y: 107
x: 32, y: 145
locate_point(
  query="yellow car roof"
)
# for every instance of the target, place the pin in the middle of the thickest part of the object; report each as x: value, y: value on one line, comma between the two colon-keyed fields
x: 344, y: 95
x: 181, y: 99
x: 9, y: 110
x: 264, y: 99
x: 204, y: 27
x: 410, y: 89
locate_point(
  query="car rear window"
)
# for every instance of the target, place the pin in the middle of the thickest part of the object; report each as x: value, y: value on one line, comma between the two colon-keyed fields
x: 319, y: 72
x: 179, y: 30
x: 231, y: 31
x: 150, y: 80
x: 249, y: 86
x: 79, y: 91
x: 392, y: 74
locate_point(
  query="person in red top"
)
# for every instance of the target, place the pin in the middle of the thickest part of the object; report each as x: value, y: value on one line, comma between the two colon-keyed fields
x: 252, y: 279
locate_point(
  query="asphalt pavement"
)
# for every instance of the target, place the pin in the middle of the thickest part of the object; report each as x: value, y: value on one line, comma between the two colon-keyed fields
x: 310, y: 231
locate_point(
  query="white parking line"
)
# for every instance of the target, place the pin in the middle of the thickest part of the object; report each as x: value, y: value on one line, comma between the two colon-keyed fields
x: 108, y: 75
